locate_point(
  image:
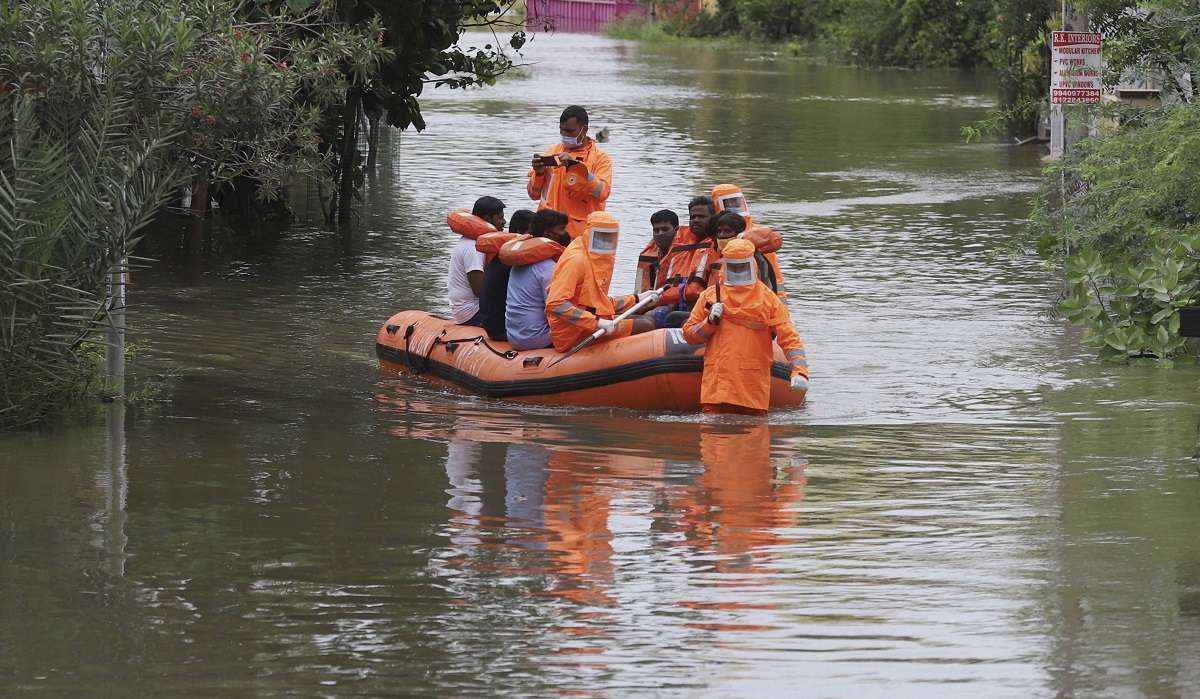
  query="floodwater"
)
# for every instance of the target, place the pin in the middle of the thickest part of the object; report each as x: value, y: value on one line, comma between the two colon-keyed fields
x: 969, y: 505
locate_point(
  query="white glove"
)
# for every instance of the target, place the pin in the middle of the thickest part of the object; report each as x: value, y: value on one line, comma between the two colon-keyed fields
x: 715, y: 313
x: 799, y: 383
x: 652, y: 294
x: 606, y: 325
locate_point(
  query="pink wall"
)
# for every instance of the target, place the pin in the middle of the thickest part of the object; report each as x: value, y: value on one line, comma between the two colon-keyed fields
x: 577, y: 15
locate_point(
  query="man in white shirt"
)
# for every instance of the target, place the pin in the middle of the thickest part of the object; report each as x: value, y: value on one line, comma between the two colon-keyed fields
x: 466, y: 266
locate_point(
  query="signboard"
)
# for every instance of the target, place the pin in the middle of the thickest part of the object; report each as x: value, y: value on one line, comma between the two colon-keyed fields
x: 1075, y: 68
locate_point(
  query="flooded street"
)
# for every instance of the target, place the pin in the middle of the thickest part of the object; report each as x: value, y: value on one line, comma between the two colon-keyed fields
x: 968, y: 505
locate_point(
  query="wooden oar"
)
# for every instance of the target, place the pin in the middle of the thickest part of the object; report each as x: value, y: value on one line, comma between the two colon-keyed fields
x: 600, y: 332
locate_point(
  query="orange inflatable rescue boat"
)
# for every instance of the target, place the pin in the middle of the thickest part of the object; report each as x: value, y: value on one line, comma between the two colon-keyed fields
x: 652, y: 371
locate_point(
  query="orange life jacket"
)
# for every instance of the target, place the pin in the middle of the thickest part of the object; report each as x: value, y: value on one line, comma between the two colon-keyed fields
x: 652, y: 263
x: 526, y: 249
x: 647, y: 268
x: 765, y: 239
x: 766, y: 242
x: 686, y: 271
x: 468, y: 225
x: 490, y: 243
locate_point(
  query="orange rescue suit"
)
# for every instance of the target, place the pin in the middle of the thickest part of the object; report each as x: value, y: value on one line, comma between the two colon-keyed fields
x: 737, y: 362
x: 576, y: 191
x: 578, y: 295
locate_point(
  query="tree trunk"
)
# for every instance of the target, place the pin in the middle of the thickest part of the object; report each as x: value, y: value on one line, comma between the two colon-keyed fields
x: 349, y: 151
x: 114, y: 351
x: 200, y: 194
x: 372, y: 144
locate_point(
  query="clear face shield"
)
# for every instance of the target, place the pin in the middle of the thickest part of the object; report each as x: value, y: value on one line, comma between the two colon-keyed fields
x: 739, y: 272
x: 735, y: 203
x: 603, y: 241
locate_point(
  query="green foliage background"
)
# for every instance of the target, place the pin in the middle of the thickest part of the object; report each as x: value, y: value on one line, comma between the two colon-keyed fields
x: 109, y: 108
x: 1120, y: 215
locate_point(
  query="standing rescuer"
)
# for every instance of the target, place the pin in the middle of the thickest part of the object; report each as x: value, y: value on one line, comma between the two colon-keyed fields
x: 738, y: 318
x: 578, y: 302
x: 573, y: 176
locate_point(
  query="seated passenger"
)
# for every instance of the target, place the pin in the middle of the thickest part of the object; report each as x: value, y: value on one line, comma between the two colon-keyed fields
x: 578, y: 302
x: 700, y: 210
x: 664, y: 225
x: 728, y: 226
x: 729, y: 197
x: 528, y: 282
x: 465, y: 280
x: 731, y: 226
x: 688, y: 266
x: 494, y: 293
x: 740, y: 320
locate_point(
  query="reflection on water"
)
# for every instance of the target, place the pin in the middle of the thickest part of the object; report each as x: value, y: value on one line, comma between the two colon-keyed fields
x: 564, y: 506
x: 967, y: 505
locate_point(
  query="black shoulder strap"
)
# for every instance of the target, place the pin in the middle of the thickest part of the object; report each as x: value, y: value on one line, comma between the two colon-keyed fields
x: 766, y: 272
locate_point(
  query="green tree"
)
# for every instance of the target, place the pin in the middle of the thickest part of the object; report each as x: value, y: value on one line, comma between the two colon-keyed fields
x: 1017, y: 47
x: 1121, y: 214
x: 106, y: 110
x: 1151, y: 38
x: 422, y: 37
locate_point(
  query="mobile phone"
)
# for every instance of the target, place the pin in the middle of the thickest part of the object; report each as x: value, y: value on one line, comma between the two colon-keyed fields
x: 547, y: 160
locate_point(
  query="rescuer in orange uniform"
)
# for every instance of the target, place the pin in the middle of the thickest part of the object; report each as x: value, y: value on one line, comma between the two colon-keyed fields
x: 578, y: 302
x: 574, y: 176
x: 737, y: 318
x: 729, y: 197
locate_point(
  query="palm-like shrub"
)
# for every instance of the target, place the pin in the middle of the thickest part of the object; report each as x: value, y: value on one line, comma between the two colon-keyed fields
x: 105, y: 109
x: 70, y: 212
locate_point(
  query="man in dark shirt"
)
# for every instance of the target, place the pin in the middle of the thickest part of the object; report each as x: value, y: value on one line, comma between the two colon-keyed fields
x: 494, y: 296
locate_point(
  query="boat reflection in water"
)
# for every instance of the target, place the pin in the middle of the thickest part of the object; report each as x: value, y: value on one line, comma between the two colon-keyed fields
x: 614, y: 513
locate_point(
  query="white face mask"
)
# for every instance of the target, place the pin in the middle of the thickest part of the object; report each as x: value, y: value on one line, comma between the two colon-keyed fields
x: 739, y: 272
x: 572, y: 142
x: 603, y: 241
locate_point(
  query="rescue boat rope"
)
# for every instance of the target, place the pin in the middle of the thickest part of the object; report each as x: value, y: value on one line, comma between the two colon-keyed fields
x: 451, y: 344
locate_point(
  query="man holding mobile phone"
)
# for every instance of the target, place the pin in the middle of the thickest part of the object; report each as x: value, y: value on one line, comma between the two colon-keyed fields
x: 573, y: 176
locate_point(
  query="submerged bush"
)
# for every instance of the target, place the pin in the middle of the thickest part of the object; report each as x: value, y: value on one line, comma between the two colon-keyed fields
x: 1122, y: 216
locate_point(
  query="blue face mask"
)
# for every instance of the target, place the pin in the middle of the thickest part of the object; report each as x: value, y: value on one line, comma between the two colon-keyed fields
x: 572, y: 141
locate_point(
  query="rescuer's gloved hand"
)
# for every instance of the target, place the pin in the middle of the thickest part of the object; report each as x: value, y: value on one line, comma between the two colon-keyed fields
x: 651, y: 294
x: 715, y: 313
x: 799, y: 382
x: 606, y: 325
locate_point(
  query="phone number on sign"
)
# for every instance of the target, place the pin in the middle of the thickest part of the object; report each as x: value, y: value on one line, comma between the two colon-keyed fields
x: 1065, y: 95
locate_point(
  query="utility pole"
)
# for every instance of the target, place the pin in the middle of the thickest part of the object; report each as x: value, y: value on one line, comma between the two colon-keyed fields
x: 1060, y: 139
x: 114, y: 350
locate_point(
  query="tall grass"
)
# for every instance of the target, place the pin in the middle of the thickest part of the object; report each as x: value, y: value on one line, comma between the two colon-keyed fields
x: 641, y: 29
